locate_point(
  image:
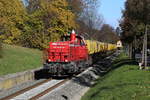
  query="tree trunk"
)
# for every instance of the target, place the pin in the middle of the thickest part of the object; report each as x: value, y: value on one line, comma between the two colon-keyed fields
x: 130, y: 51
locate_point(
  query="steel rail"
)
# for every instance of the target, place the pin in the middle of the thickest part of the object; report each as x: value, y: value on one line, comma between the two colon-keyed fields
x: 24, y: 90
x: 48, y: 90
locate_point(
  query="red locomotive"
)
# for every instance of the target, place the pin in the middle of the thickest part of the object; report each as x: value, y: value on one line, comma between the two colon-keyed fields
x: 68, y: 56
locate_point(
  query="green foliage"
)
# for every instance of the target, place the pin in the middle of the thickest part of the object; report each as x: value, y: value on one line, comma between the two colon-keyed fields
x: 138, y: 10
x: 11, y: 18
x: 47, y: 23
x: 41, y: 22
x: 135, y: 17
x: 76, y: 6
x: 33, y: 31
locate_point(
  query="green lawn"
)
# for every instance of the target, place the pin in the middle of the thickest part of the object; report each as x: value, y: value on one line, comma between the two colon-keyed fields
x: 16, y: 59
x: 122, y: 56
x: 126, y: 82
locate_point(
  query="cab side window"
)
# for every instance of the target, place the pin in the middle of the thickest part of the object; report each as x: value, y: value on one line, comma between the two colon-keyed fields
x: 82, y: 43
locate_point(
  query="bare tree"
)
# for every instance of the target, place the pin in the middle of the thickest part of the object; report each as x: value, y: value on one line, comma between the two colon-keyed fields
x: 108, y: 34
x: 90, y: 16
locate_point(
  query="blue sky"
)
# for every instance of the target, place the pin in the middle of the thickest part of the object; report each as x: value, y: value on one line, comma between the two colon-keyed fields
x: 111, y: 11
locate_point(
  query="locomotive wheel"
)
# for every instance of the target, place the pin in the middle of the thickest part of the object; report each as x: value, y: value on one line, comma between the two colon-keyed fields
x: 73, y: 67
x: 82, y: 66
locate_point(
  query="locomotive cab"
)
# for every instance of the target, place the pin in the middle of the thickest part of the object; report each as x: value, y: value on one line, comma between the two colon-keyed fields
x: 78, y: 40
x: 63, y: 56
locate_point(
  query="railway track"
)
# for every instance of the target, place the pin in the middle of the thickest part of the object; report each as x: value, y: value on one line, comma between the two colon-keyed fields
x: 36, y: 91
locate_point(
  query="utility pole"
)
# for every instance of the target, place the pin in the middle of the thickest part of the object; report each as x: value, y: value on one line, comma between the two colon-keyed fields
x: 146, y: 47
x: 144, y: 51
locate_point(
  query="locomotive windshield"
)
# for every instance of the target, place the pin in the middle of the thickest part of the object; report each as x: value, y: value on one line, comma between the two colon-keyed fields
x: 79, y: 39
x: 65, y: 38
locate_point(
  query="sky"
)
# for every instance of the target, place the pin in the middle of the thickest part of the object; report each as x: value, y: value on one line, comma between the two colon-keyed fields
x: 111, y: 11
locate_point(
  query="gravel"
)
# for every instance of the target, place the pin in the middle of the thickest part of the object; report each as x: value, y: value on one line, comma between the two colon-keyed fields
x: 73, y: 89
x: 18, y: 88
x: 33, y: 92
x: 68, y: 90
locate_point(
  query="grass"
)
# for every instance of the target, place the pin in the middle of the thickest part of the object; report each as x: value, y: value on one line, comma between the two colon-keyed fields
x: 15, y: 59
x: 126, y: 82
x: 122, y: 56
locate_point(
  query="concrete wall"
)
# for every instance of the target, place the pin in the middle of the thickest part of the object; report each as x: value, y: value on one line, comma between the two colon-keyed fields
x: 11, y: 80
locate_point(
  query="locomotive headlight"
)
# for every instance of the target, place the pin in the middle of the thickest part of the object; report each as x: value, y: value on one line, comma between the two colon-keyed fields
x: 49, y: 60
x: 66, y: 60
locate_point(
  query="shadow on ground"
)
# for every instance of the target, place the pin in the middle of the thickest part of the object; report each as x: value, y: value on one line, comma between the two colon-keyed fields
x: 41, y: 74
x: 44, y: 74
x: 102, y: 68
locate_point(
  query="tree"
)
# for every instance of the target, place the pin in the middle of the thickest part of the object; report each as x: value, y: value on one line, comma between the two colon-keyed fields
x: 108, y: 34
x: 76, y: 6
x: 40, y: 21
x: 11, y: 18
x: 48, y: 20
x: 90, y: 17
x: 136, y: 17
x: 138, y: 10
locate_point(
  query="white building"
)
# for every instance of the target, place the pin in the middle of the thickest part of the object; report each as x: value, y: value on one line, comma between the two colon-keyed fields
x: 119, y: 44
